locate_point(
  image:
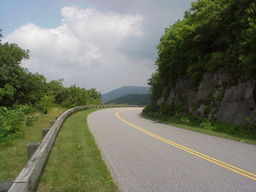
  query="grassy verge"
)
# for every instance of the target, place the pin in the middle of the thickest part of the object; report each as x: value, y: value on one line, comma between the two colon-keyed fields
x: 14, y: 157
x: 203, y: 130
x: 75, y: 163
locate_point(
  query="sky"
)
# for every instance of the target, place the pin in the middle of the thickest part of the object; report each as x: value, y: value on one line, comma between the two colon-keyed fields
x: 102, y: 44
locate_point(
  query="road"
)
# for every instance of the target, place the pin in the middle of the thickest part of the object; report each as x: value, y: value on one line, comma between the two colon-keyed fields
x: 147, y: 156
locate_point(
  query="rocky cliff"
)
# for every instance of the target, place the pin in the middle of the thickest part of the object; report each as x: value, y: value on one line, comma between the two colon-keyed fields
x: 214, y: 98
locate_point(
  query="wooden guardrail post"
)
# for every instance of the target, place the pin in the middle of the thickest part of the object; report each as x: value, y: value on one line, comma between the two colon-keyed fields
x: 31, y: 148
x: 44, y: 132
x: 5, y: 185
x: 51, y: 122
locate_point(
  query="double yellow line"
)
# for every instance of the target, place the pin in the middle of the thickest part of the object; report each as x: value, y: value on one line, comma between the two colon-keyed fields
x: 188, y: 150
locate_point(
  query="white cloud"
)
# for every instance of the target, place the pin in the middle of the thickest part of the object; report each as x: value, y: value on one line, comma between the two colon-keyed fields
x: 87, y: 45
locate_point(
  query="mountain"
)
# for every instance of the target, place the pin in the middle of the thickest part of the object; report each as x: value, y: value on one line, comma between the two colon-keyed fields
x: 135, y: 99
x: 123, y: 91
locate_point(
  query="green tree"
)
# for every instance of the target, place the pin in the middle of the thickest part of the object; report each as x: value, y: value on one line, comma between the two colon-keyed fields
x: 22, y: 92
x: 214, y: 35
x: 45, y: 103
x: 11, y: 73
x: 75, y: 96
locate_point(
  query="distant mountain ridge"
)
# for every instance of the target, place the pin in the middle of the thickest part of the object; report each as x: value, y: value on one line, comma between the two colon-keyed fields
x: 134, y: 99
x: 123, y: 91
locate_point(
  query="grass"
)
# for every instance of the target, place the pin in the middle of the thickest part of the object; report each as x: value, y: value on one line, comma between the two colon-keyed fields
x: 203, y: 130
x: 14, y: 157
x: 75, y: 163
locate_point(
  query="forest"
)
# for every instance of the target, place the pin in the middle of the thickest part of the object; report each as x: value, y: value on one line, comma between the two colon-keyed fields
x: 23, y: 94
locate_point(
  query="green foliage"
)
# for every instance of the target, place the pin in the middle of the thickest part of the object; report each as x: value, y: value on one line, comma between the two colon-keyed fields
x: 185, y: 120
x: 57, y: 90
x: 7, y: 92
x: 75, y: 96
x: 45, y: 104
x: 33, y: 89
x: 11, y: 73
x: 247, y: 131
x: 19, y: 87
x: 30, y: 119
x: 206, y: 124
x: 13, y: 156
x: 150, y: 110
x: 214, y: 35
x: 12, y: 121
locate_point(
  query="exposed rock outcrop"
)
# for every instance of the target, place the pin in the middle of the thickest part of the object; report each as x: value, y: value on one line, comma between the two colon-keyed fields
x: 215, y: 98
x: 238, y: 104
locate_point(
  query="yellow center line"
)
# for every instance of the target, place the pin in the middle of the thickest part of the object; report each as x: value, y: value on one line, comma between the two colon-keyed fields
x: 188, y: 150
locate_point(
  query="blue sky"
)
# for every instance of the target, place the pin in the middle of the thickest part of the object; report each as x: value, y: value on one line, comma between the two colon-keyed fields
x: 44, y: 13
x: 102, y: 44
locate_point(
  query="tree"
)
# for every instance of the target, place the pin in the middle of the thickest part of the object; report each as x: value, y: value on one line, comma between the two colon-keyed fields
x: 0, y: 35
x: 23, y: 92
x: 75, y: 96
x: 11, y: 72
x: 214, y: 35
x: 45, y: 103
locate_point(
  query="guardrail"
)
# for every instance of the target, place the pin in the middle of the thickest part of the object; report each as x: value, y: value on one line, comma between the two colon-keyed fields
x: 27, y: 178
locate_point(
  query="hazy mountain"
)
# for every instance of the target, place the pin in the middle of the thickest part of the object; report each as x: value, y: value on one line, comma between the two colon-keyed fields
x: 123, y: 91
x: 135, y: 99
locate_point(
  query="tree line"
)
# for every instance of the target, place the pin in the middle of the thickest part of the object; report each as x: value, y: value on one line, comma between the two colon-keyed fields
x: 214, y: 35
x: 22, y: 93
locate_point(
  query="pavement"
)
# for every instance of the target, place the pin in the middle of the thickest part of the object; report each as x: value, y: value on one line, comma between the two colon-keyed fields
x: 146, y: 156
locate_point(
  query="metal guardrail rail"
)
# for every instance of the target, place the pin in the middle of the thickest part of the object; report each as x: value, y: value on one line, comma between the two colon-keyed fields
x: 27, y: 178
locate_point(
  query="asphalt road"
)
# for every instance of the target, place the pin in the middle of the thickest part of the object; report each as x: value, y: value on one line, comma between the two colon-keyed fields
x: 146, y: 156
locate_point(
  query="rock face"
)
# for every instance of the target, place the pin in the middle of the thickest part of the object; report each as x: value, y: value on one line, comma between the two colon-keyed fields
x: 215, y: 99
x: 238, y: 104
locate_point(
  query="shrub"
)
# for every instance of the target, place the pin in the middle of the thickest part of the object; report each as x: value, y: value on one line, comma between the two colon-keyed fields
x: 10, y: 124
x: 31, y: 119
x: 206, y: 124
x: 12, y: 121
x: 45, y: 104
x: 185, y: 120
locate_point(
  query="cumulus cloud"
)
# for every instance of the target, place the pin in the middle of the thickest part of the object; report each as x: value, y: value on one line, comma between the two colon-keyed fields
x: 86, y: 49
x: 157, y: 15
x: 111, y: 44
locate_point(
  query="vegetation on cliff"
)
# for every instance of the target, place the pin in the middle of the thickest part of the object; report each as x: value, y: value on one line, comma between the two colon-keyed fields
x: 213, y: 47
x: 214, y: 35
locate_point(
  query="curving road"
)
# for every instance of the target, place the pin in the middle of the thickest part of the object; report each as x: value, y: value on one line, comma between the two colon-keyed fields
x: 146, y: 156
